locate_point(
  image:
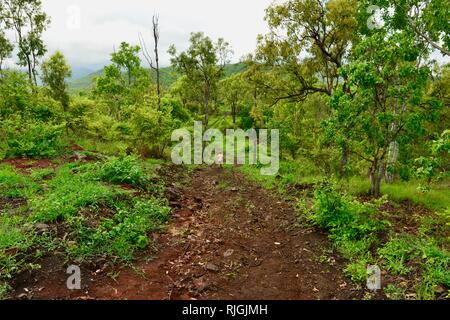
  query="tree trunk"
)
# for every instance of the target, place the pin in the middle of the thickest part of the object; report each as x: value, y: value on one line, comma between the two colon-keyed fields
x: 379, y: 178
x: 30, y: 75
x: 156, y: 41
x: 376, y: 175
x: 233, y: 110
x: 206, y: 105
x: 392, y: 159
x: 373, y: 178
x: 344, y: 161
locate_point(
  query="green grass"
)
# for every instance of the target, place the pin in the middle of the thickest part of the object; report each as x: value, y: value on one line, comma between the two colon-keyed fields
x: 101, y: 219
x: 120, y: 235
x: 123, y: 170
x: 15, y: 185
x: 437, y: 198
x: 41, y: 174
x: 68, y: 192
x: 16, y: 237
x: 289, y: 173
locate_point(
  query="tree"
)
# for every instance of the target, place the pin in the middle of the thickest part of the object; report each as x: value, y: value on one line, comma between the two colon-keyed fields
x: 148, y: 57
x: 127, y: 59
x: 203, y: 65
x: 124, y: 82
x: 232, y: 92
x: 6, y: 49
x: 309, y: 41
x: 29, y: 22
x: 384, y: 102
x: 427, y: 19
x: 55, y: 71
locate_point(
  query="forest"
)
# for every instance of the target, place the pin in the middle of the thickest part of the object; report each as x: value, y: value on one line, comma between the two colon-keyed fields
x: 360, y: 93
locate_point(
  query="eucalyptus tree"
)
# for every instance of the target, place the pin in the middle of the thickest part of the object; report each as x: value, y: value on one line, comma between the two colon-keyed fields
x: 428, y: 20
x: 309, y: 41
x: 232, y: 92
x: 385, y: 101
x: 55, y: 71
x: 6, y: 48
x: 29, y: 21
x: 203, y: 65
x: 127, y: 60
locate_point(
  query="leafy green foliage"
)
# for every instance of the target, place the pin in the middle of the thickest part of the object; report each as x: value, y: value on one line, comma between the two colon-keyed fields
x: 123, y: 170
x: 120, y: 235
x: 54, y: 73
x: 203, y: 65
x: 68, y: 192
x: 345, y: 218
x: 15, y: 185
x: 32, y: 139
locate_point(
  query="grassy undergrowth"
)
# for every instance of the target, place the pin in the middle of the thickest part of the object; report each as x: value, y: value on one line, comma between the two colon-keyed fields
x: 417, y: 260
x: 103, y: 209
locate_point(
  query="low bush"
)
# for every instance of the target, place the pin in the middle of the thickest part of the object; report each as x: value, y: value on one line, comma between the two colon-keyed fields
x: 123, y: 170
x: 120, y: 235
x: 351, y: 226
x: 67, y: 193
x: 31, y: 139
x: 15, y: 185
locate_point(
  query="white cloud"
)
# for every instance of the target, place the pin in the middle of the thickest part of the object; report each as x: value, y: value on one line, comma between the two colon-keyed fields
x: 105, y: 23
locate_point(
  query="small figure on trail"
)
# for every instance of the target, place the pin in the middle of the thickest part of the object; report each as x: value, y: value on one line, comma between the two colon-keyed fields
x: 219, y: 159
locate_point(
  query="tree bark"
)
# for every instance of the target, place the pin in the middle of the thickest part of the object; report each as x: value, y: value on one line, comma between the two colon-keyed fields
x: 233, y: 110
x: 156, y: 41
x: 344, y: 161
x: 206, y: 104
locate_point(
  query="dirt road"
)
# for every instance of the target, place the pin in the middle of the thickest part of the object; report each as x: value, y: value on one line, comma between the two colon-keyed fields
x: 228, y: 239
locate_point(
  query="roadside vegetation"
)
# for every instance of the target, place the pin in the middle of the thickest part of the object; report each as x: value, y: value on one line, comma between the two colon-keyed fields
x: 363, y: 114
x: 84, y: 211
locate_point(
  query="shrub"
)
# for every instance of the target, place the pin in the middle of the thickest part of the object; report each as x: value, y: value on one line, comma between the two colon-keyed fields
x: 123, y: 170
x: 67, y: 193
x: 121, y: 235
x: 33, y: 139
x: 344, y: 217
x: 13, y: 184
x: 351, y: 225
x: 395, y: 253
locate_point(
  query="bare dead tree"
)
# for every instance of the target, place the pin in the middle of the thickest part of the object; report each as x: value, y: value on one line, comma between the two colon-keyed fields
x: 154, y: 63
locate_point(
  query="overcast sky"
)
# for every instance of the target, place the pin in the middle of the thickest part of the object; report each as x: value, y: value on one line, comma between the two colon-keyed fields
x: 87, y: 41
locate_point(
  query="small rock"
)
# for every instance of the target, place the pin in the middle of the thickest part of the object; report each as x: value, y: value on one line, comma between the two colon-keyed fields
x: 42, y: 227
x: 440, y: 289
x: 234, y: 189
x: 201, y: 285
x: 228, y: 253
x: 212, y: 267
x: 22, y: 296
x: 79, y: 156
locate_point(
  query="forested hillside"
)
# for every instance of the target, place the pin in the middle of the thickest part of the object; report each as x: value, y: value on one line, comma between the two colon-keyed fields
x: 168, y: 77
x: 362, y: 108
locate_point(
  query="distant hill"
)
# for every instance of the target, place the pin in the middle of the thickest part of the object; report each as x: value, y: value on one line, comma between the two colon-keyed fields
x: 168, y: 77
